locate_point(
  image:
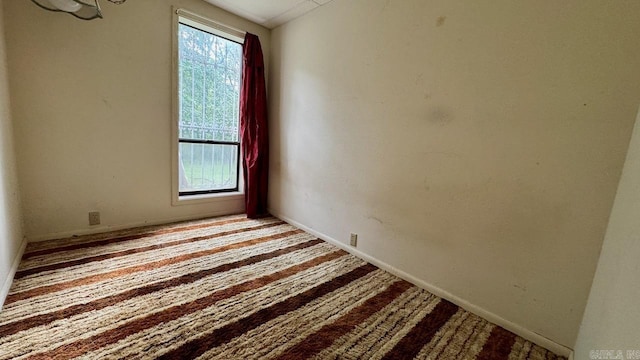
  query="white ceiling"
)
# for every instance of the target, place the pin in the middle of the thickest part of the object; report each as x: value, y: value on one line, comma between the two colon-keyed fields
x: 269, y: 13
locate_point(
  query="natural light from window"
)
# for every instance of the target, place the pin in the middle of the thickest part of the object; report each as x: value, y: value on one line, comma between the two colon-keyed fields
x: 209, y: 76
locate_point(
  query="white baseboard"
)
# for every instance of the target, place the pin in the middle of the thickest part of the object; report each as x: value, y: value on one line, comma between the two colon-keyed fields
x: 14, y: 267
x: 508, y: 325
x: 108, y: 228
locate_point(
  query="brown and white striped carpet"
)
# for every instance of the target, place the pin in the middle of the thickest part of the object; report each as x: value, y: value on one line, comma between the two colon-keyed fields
x: 230, y: 288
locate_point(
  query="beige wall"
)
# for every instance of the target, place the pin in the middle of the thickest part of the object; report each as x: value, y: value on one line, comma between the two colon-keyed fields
x: 475, y: 145
x: 10, y: 214
x: 612, y: 315
x: 92, y: 103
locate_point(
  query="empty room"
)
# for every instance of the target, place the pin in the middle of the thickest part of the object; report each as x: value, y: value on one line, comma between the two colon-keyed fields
x: 319, y: 179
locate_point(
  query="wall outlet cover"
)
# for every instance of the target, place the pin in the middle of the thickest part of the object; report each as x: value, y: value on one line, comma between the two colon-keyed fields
x: 354, y: 239
x: 94, y: 218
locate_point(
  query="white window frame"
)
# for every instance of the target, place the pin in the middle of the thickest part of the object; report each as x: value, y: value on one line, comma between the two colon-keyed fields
x: 197, y: 21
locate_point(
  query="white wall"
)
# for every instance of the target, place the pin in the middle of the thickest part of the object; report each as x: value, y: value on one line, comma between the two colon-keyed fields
x: 92, y: 103
x: 10, y: 215
x: 612, y: 315
x: 475, y: 145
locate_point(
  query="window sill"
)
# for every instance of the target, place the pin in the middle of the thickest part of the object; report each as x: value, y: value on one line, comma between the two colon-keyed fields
x: 208, y: 198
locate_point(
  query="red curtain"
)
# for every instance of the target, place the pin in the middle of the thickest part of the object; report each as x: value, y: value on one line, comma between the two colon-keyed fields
x: 253, y: 128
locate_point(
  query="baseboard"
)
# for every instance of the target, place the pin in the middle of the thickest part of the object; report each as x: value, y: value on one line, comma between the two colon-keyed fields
x: 514, y: 328
x: 107, y: 228
x: 14, y: 267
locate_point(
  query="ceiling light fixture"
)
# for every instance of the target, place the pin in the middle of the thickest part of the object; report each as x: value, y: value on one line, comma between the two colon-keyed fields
x: 82, y: 9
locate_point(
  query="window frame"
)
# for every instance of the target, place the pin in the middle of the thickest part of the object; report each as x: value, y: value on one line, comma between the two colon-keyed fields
x: 185, y: 17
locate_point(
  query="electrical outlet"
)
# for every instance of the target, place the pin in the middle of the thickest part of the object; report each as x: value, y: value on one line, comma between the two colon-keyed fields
x: 354, y: 239
x: 94, y: 218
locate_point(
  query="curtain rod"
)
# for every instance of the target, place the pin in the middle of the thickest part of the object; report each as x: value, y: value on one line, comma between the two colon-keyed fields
x: 214, y: 24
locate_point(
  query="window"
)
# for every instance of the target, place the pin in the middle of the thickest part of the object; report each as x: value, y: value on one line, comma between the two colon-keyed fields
x: 209, y: 68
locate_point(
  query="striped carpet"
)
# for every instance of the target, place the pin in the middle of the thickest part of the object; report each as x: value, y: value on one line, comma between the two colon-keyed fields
x: 230, y: 288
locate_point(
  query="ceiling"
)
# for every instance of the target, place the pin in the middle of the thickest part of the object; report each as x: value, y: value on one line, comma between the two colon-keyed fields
x: 269, y: 13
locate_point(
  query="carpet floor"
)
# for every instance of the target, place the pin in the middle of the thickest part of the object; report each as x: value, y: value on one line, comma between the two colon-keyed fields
x: 230, y: 288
